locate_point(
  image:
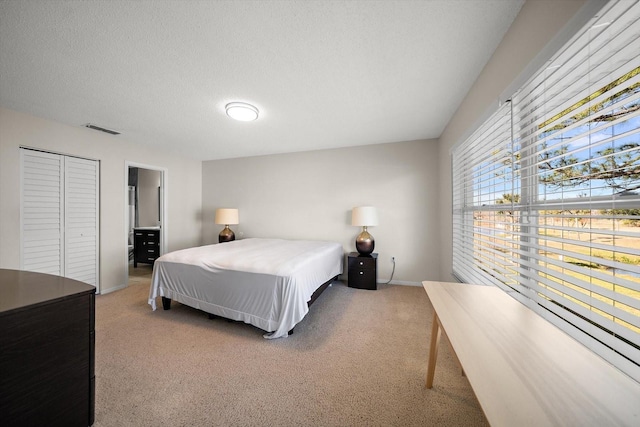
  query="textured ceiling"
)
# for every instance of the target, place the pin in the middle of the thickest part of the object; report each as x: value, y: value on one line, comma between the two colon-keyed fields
x: 324, y: 74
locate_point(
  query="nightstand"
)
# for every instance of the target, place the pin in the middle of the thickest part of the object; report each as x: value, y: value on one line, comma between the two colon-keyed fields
x: 362, y: 271
x: 146, y: 245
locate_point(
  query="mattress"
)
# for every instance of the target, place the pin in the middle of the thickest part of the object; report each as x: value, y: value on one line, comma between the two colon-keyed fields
x: 263, y: 282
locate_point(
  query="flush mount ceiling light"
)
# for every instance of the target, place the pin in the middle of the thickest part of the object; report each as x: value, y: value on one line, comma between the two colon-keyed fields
x: 241, y: 111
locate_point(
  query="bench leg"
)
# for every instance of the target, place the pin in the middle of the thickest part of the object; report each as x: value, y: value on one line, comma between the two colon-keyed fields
x: 455, y: 355
x: 433, y: 350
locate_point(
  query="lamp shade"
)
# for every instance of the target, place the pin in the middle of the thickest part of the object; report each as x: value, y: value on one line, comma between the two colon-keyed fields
x: 364, y: 216
x: 241, y: 111
x: 226, y: 216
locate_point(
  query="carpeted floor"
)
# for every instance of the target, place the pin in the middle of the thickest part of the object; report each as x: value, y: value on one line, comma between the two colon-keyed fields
x: 357, y: 359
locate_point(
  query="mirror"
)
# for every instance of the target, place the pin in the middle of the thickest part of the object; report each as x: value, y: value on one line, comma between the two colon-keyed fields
x: 144, y: 195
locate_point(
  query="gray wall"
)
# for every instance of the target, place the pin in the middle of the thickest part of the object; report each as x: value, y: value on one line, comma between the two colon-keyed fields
x: 184, y: 188
x: 523, y: 49
x: 310, y: 196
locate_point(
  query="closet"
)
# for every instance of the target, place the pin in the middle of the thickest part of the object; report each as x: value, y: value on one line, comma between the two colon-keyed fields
x: 59, y: 215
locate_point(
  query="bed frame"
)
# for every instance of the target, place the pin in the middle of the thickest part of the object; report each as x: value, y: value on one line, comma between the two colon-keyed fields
x: 166, y: 302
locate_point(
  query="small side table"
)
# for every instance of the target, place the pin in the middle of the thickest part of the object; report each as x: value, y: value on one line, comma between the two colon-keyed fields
x: 362, y: 271
x: 146, y: 245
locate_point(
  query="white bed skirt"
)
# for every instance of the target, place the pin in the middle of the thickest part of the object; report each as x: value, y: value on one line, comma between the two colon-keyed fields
x: 264, y: 282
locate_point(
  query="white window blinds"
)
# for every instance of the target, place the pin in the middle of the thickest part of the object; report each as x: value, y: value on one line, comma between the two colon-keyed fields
x: 547, y: 191
x: 484, y: 180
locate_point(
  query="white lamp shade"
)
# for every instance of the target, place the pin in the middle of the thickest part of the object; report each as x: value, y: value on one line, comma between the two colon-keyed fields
x: 226, y: 216
x: 364, y: 216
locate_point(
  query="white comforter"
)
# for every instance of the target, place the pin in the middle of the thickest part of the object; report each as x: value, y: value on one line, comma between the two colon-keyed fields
x: 264, y: 282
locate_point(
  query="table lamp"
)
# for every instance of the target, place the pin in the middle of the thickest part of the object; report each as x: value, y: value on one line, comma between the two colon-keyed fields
x: 364, y: 216
x: 226, y: 217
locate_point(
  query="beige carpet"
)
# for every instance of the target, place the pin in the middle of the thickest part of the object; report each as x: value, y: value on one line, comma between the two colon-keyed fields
x: 357, y: 359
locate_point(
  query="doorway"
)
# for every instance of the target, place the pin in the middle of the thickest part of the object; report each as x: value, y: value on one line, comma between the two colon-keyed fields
x: 145, y: 212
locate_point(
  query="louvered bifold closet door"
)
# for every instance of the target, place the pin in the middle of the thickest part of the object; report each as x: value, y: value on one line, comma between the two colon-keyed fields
x: 81, y: 220
x: 42, y: 212
x: 60, y: 215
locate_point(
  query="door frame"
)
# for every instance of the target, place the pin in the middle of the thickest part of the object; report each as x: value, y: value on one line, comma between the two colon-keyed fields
x: 164, y: 185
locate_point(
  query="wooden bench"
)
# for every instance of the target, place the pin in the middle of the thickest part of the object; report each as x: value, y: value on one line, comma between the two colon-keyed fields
x: 523, y: 370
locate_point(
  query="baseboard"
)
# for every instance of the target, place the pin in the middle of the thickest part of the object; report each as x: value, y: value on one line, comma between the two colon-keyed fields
x: 401, y: 282
x: 343, y: 278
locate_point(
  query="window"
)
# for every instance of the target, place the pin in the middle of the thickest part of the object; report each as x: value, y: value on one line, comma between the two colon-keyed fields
x: 546, y: 193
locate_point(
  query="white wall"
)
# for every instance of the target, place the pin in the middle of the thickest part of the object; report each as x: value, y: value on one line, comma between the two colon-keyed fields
x: 299, y: 195
x: 310, y: 196
x: 184, y: 191
x: 523, y: 46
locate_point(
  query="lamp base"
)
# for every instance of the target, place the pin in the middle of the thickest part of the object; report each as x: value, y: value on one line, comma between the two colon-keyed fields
x: 365, y: 243
x: 226, y: 235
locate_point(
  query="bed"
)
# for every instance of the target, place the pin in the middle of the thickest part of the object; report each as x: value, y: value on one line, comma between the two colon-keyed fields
x: 268, y: 283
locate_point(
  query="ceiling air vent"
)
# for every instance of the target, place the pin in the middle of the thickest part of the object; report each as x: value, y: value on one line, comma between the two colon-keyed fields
x: 101, y: 129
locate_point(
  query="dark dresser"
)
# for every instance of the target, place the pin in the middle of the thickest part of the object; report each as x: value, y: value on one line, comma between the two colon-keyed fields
x: 146, y: 245
x: 362, y: 272
x: 47, y: 350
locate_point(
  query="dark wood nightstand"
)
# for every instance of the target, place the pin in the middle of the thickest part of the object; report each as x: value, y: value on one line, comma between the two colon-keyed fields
x: 362, y: 271
x: 146, y: 245
x: 47, y: 341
